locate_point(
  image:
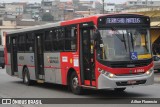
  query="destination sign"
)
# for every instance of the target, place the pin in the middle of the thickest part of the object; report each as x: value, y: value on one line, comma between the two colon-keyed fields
x: 124, y: 21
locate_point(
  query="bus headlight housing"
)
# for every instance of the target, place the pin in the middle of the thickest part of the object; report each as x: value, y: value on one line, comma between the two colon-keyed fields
x: 149, y: 71
x: 108, y: 74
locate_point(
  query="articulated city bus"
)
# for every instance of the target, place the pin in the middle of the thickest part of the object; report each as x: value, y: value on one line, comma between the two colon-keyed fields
x: 110, y: 51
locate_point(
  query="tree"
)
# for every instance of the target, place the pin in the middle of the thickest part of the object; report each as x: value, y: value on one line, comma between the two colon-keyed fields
x: 47, y: 17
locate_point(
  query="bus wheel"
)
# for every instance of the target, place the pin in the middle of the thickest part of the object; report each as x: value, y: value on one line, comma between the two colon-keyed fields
x: 74, y: 84
x: 26, y: 76
x: 119, y: 89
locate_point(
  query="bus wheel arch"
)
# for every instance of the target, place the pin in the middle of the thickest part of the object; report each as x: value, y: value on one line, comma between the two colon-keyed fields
x: 72, y: 78
x: 70, y: 71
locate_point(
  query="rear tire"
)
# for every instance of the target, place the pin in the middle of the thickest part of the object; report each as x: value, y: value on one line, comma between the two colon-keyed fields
x: 26, y: 76
x: 74, y: 84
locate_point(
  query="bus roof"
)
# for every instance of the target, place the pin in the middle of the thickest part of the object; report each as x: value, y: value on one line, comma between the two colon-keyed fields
x: 64, y: 23
x: 50, y: 25
x: 33, y: 28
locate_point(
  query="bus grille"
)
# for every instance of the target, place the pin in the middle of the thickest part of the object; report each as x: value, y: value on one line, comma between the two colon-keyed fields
x: 132, y: 74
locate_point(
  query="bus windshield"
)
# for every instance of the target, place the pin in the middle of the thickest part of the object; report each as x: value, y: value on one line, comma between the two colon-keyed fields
x: 118, y: 44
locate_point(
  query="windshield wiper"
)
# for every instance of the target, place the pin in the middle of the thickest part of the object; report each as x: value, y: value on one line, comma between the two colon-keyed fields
x: 124, y: 42
x: 132, y: 41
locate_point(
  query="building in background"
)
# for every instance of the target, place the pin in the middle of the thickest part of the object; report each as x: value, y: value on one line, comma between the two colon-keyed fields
x: 110, y: 7
x: 15, y: 9
x: 32, y: 11
x: 142, y: 3
x: 2, y: 9
x: 54, y: 8
x: 12, y: 24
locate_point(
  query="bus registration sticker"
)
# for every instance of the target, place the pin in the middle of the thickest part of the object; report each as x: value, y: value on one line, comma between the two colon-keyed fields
x: 64, y: 59
x: 76, y: 62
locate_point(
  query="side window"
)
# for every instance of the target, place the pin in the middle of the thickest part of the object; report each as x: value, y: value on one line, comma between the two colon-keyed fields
x: 55, y: 39
x: 48, y: 40
x: 30, y: 42
x: 21, y: 42
x: 61, y: 34
x: 8, y: 43
x: 58, y: 39
x: 71, y: 39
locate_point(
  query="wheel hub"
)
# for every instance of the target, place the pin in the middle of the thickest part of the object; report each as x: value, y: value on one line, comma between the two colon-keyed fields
x: 26, y: 78
x: 75, y: 82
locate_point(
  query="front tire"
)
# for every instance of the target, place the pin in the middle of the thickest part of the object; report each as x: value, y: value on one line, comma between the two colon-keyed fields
x: 26, y: 76
x: 74, y: 84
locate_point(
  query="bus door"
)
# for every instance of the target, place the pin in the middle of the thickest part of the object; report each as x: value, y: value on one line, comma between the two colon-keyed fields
x: 87, y: 55
x: 39, y: 59
x: 14, y: 66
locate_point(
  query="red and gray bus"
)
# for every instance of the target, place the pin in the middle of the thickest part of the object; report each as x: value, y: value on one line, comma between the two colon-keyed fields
x: 110, y: 51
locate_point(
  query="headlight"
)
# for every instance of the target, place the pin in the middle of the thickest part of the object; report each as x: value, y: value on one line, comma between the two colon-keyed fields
x: 108, y: 74
x: 149, y: 71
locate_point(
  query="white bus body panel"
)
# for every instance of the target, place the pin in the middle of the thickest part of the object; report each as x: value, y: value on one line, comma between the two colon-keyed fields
x: 26, y: 59
x: 52, y: 68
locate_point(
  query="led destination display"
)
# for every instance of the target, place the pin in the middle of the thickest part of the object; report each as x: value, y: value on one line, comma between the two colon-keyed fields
x: 124, y: 20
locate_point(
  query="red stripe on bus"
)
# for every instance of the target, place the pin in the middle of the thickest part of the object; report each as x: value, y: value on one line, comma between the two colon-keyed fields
x: 30, y: 66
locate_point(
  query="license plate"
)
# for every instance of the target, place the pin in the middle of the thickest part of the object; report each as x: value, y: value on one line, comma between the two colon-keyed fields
x: 132, y: 82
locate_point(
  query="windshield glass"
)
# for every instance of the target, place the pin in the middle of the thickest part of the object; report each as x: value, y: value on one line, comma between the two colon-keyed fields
x: 119, y: 44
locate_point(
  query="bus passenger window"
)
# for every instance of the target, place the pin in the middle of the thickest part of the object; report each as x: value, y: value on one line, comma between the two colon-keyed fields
x: 55, y: 39
x: 61, y: 39
x: 58, y: 39
x: 21, y: 42
x: 70, y: 39
x: 48, y: 40
x: 29, y: 43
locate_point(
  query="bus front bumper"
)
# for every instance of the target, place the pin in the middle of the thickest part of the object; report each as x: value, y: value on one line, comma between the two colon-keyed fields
x: 105, y: 82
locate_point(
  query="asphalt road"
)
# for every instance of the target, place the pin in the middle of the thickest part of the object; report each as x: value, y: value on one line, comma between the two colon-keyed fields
x: 12, y: 87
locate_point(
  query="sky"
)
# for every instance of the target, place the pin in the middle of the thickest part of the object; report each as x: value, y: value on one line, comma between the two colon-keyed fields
x: 111, y: 1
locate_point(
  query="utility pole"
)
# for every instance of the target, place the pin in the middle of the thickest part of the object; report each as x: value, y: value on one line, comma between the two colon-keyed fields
x: 89, y: 11
x: 103, y: 6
